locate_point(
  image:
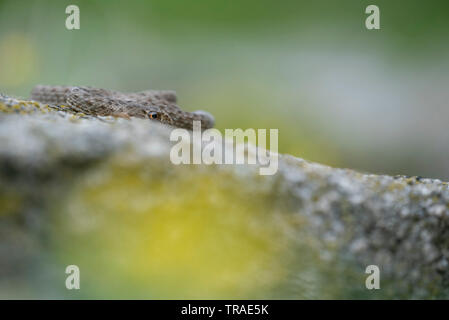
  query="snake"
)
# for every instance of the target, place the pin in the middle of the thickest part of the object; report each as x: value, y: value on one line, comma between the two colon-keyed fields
x: 155, y: 105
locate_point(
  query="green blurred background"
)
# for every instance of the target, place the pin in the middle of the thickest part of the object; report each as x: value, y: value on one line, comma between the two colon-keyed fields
x: 373, y: 100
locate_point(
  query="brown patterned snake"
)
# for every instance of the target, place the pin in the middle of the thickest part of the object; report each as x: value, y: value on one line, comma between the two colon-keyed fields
x: 151, y: 104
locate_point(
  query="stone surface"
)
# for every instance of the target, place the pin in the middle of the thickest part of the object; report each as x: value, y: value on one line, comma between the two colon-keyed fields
x: 102, y: 193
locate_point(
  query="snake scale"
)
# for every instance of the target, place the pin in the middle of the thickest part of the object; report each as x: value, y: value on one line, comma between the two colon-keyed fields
x: 156, y: 105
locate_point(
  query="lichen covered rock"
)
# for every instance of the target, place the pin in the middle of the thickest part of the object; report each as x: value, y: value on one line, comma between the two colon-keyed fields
x: 102, y: 194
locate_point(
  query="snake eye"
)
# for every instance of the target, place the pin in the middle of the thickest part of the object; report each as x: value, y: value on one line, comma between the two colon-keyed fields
x: 152, y: 115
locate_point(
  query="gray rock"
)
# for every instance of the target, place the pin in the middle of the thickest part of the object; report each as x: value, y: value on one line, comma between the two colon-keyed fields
x: 102, y: 193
